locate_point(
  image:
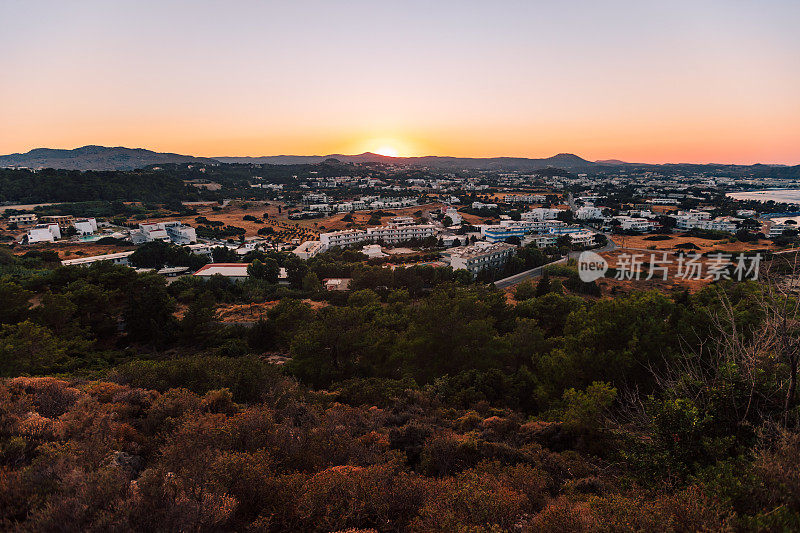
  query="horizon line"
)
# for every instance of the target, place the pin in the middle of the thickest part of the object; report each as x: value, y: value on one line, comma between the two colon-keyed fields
x: 411, y: 156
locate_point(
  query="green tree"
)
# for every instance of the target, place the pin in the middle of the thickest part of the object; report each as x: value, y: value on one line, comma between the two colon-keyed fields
x: 149, y: 311
x: 267, y: 270
x: 15, y: 301
x: 311, y: 282
x: 28, y: 348
x: 296, y: 270
x: 198, y: 327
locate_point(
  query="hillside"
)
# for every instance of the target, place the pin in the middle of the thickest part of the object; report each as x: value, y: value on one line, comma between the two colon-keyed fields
x: 95, y: 158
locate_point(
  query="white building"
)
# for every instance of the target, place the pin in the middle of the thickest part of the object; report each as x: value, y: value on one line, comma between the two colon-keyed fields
x: 149, y: 233
x: 119, y: 258
x: 373, y: 251
x: 343, y: 238
x: 43, y: 233
x: 454, y: 215
x: 232, y: 271
x: 588, y: 212
x: 393, y: 234
x: 582, y: 238
x: 541, y: 213
x: 518, y: 228
x: 526, y: 198
x: 641, y: 225
x: 180, y: 234
x: 85, y: 226
x: 173, y: 231
x: 479, y: 256
x: 308, y: 249
x: 481, y: 205
x: 403, y: 221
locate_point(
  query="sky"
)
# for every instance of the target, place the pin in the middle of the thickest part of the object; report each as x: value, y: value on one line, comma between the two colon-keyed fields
x: 638, y: 80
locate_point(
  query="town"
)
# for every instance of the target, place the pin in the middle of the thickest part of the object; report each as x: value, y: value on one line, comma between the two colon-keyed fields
x: 396, y: 214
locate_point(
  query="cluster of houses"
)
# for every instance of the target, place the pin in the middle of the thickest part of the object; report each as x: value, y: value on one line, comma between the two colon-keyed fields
x: 50, y: 228
x: 173, y: 231
x: 322, y: 203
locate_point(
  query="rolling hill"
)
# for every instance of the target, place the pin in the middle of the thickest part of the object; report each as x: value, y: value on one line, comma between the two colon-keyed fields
x: 94, y: 158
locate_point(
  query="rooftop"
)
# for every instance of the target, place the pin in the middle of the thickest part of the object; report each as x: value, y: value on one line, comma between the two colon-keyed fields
x: 236, y: 270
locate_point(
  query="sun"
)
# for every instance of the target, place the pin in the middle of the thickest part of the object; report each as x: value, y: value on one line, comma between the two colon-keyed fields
x: 387, y: 151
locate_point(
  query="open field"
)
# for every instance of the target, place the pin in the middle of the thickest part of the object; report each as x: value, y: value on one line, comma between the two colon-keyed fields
x: 74, y: 250
x: 704, y: 245
x: 360, y: 218
x: 233, y: 215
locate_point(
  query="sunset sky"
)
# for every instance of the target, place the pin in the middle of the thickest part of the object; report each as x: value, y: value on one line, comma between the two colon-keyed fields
x: 645, y: 81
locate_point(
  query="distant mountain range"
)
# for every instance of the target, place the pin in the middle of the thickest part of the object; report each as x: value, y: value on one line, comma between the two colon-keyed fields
x: 95, y: 158
x: 565, y: 161
x: 121, y: 158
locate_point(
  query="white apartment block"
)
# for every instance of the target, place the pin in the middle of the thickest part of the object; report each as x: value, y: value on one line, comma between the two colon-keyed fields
x: 85, y: 226
x: 180, y: 234
x: 173, y: 231
x: 480, y: 256
x: 582, y: 238
x: 391, y: 234
x: 526, y: 198
x: 149, y: 233
x: 43, y: 233
x: 308, y: 249
x: 541, y: 213
x: 588, y: 212
x: 636, y: 224
x: 687, y: 222
x: 396, y: 234
x: 403, y: 221
x: 342, y: 238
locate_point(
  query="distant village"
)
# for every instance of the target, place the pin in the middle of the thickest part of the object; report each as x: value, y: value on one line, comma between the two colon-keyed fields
x: 473, y: 220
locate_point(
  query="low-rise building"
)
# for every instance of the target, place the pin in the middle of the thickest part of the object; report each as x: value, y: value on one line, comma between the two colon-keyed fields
x: 119, y: 258
x: 639, y: 225
x: 232, y: 271
x: 518, y: 228
x: 308, y: 249
x: 24, y: 219
x: 85, y: 226
x: 43, y: 233
x: 336, y: 284
x: 373, y: 251
x: 63, y: 221
x: 480, y: 256
x: 393, y: 234
x: 173, y: 231
x: 180, y: 234
x: 541, y: 213
x: 588, y: 212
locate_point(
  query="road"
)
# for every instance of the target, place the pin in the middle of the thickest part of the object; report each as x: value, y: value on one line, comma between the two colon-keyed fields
x: 536, y: 272
x: 522, y: 276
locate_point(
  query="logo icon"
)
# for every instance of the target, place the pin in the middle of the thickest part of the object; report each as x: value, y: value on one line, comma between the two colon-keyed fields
x: 591, y: 266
